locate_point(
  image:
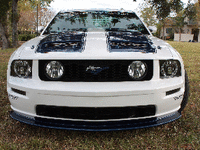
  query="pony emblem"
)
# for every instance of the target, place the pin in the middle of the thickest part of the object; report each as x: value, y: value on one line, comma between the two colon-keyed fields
x: 96, y: 70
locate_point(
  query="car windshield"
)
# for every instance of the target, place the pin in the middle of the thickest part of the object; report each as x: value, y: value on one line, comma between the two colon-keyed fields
x: 96, y: 21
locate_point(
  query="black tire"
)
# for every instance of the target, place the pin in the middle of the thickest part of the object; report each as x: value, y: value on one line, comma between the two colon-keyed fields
x: 186, y: 93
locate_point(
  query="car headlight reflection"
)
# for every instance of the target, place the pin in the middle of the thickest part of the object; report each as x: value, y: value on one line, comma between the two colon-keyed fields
x: 54, y: 70
x: 169, y: 68
x: 21, y: 68
x: 137, y: 70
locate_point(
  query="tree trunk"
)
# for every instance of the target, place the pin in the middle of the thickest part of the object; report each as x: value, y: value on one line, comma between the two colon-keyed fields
x: 5, y: 42
x: 179, y: 34
x: 14, y: 23
x: 163, y: 32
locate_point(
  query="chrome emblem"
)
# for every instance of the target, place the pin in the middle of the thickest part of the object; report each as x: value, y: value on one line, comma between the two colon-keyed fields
x: 178, y: 97
x: 13, y: 97
x: 95, y: 70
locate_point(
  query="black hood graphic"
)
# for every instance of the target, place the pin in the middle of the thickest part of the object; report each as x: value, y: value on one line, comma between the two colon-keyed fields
x: 127, y: 41
x: 73, y: 41
x: 117, y: 41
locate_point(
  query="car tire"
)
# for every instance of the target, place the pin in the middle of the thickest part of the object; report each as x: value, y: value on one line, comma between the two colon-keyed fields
x: 186, y: 93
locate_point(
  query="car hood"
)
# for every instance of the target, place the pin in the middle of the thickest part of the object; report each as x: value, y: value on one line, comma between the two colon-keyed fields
x: 95, y: 47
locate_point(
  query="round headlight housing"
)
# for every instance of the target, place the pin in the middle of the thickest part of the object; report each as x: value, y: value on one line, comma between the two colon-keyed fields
x: 22, y: 68
x: 169, y: 68
x: 137, y: 70
x: 54, y: 70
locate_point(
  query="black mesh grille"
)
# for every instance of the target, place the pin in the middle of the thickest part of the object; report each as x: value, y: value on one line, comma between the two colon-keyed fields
x: 95, y: 113
x: 106, y: 70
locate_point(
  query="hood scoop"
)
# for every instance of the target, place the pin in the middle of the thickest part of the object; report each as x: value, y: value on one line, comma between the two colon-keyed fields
x: 127, y: 41
x: 62, y: 42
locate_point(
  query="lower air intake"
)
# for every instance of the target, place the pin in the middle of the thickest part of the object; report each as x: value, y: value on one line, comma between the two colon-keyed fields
x: 95, y: 113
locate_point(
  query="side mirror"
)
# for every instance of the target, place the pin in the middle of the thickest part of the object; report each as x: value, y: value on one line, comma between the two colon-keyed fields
x: 151, y: 30
x: 39, y: 29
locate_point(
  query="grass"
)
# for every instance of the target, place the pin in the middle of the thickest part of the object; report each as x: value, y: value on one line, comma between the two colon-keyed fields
x: 180, y: 134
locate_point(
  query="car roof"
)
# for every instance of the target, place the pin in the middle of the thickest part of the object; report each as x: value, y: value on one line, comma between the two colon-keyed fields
x: 95, y: 9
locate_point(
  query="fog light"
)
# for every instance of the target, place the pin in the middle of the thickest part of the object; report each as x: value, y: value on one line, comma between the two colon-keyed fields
x: 137, y: 70
x: 54, y: 70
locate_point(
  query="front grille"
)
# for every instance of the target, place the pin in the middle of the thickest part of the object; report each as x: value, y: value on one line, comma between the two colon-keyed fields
x: 95, y: 113
x: 106, y: 70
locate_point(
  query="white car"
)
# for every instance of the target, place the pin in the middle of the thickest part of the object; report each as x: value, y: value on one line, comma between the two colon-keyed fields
x: 96, y: 70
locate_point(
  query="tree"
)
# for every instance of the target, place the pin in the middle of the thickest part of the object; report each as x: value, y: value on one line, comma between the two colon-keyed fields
x: 42, y: 3
x: 28, y: 16
x: 4, y: 7
x: 198, y: 10
x: 15, y: 15
x: 164, y: 7
x: 148, y: 14
x: 192, y: 11
x: 179, y: 22
x: 15, y: 19
x: 162, y: 11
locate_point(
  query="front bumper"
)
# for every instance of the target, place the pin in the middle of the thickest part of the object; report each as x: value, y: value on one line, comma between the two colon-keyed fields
x: 96, y: 126
x: 95, y: 94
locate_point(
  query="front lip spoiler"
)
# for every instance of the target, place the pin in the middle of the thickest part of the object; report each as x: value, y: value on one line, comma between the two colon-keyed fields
x: 95, y: 126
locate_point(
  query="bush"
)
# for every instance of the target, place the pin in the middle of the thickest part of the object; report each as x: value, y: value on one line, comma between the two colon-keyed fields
x: 26, y: 37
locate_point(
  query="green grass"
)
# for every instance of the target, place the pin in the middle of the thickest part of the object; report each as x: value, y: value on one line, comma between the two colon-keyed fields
x: 180, y: 134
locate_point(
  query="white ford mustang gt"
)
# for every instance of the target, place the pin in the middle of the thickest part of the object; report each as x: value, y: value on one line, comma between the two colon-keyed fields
x: 96, y: 70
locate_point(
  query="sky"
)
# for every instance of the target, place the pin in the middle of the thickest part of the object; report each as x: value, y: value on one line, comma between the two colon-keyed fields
x: 58, y: 5
x: 85, y: 4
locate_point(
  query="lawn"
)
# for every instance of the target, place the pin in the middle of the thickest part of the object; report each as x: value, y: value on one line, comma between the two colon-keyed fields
x: 180, y: 134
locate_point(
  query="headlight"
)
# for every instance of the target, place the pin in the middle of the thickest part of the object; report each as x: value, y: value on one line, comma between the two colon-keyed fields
x: 54, y: 70
x: 169, y: 68
x: 21, y: 68
x: 137, y: 70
